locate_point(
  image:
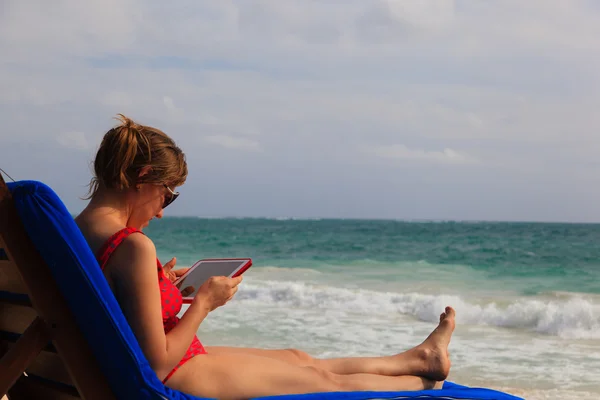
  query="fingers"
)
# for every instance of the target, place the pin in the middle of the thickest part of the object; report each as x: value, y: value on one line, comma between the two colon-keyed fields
x: 216, y: 291
x: 236, y: 281
x: 233, y: 292
x: 169, y: 266
x: 187, y: 291
x: 180, y: 271
x: 233, y: 282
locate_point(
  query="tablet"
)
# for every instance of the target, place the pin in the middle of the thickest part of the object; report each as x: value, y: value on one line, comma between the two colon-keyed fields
x: 204, y: 269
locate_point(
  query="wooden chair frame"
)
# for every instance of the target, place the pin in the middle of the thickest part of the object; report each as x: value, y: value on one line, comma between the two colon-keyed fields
x: 53, y: 327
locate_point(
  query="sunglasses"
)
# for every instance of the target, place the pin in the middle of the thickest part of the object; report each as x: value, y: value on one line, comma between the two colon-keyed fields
x: 171, y: 198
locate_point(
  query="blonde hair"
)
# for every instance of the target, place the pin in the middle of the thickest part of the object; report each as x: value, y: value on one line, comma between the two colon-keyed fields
x: 129, y: 147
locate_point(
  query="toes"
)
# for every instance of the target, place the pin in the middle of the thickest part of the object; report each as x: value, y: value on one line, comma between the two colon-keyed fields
x: 450, y: 311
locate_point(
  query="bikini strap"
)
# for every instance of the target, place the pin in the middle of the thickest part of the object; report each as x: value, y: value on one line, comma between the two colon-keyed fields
x: 112, y: 243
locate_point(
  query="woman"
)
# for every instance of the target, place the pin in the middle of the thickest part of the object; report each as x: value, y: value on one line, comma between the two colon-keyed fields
x: 137, y: 170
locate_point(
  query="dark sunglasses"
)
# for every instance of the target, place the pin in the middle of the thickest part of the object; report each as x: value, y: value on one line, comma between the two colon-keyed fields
x: 171, y: 198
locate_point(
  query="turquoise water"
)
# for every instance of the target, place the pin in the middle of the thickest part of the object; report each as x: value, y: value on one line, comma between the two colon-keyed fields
x: 534, y: 257
x: 527, y: 295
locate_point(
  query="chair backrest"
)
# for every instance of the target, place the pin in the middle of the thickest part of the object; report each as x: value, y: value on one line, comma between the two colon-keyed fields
x: 47, y: 270
x: 38, y: 334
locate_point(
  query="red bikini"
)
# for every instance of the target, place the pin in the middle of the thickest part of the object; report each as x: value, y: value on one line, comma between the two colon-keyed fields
x: 170, y: 296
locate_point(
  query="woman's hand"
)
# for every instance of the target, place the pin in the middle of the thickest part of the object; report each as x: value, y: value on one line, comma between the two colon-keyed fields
x: 217, y: 291
x: 174, y: 275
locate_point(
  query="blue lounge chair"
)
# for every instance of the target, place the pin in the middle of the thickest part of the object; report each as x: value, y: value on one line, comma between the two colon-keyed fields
x: 62, y: 332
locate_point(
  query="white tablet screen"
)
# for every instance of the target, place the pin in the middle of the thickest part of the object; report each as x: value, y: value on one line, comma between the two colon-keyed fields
x: 204, y: 269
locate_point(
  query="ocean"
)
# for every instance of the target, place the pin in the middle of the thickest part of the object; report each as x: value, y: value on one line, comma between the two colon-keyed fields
x: 527, y: 295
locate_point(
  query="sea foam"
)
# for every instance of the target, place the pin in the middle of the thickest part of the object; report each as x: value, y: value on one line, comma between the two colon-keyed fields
x: 571, y: 317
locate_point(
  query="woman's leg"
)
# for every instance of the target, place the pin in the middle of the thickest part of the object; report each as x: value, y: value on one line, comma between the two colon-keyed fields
x: 429, y: 359
x: 242, y: 376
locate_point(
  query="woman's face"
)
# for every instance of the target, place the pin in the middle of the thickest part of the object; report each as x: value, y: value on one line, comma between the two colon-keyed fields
x: 147, y: 203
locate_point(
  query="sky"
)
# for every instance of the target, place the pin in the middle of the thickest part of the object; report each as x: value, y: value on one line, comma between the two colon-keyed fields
x: 429, y: 109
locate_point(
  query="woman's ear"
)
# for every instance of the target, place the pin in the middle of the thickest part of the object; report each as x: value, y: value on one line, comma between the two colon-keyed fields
x: 144, y: 171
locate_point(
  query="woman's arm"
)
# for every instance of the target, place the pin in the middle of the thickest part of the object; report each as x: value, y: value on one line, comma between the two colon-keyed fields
x: 134, y: 276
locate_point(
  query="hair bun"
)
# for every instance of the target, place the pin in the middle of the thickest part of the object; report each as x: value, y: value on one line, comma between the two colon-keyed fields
x: 129, y: 147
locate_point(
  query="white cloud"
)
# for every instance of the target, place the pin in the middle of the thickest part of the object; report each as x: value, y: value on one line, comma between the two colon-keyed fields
x: 514, y: 83
x: 117, y: 99
x: 73, y: 140
x: 168, y: 102
x: 401, y: 152
x: 230, y: 142
x: 67, y: 27
x: 175, y: 113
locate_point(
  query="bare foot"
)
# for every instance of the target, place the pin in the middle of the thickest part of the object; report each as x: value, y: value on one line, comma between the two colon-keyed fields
x: 434, y: 350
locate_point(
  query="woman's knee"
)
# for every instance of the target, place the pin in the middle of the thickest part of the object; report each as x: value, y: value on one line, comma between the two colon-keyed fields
x: 327, y: 381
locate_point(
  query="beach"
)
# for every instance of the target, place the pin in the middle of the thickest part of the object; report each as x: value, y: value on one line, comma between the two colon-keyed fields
x: 527, y: 295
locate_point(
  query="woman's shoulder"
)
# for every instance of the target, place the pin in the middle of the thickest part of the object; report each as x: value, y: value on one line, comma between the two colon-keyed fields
x: 137, y: 243
x: 129, y: 259
x: 132, y: 259
x: 125, y: 244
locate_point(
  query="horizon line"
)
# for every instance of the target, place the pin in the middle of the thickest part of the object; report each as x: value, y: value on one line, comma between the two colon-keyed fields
x: 389, y: 219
